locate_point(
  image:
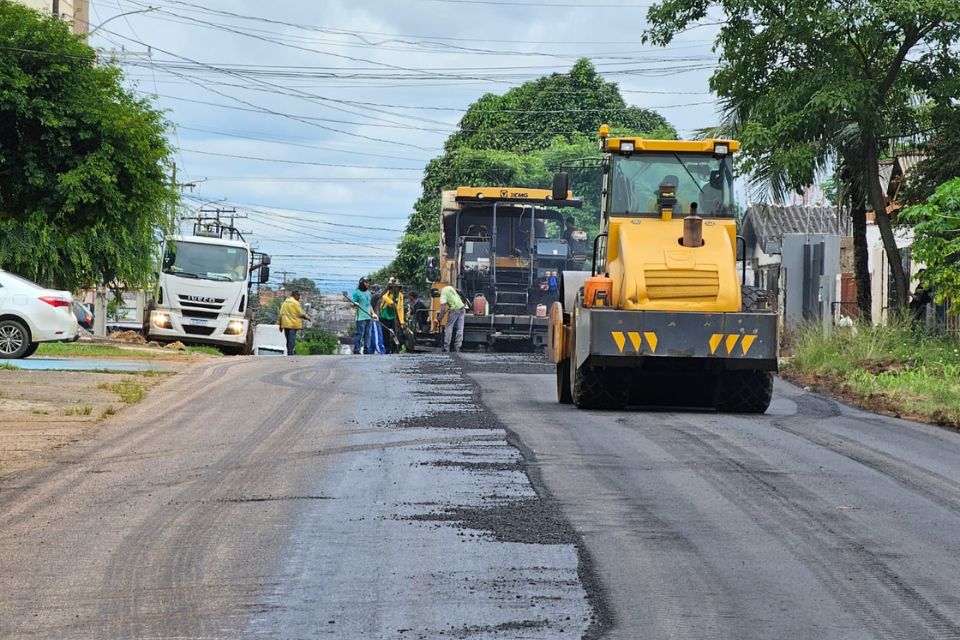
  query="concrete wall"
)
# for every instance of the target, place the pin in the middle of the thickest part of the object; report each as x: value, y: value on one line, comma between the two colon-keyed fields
x: 43, y: 6
x: 73, y: 11
x: 880, y: 269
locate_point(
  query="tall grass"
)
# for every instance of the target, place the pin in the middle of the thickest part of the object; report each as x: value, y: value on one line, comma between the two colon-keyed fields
x: 913, y: 369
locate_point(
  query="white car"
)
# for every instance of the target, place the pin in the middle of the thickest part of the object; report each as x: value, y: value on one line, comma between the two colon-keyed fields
x: 30, y: 314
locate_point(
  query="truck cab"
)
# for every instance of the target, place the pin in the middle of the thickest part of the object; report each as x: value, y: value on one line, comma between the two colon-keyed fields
x: 204, y: 289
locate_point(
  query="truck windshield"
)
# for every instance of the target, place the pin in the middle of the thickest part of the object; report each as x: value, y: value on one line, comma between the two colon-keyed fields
x: 205, y: 261
x: 699, y: 178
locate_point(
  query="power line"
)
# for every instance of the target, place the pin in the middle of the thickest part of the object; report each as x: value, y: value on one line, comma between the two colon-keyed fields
x: 255, y: 206
x: 545, y: 4
x: 318, y: 222
x: 306, y: 179
x: 266, y: 138
x: 300, y: 162
x: 257, y: 107
x: 362, y: 34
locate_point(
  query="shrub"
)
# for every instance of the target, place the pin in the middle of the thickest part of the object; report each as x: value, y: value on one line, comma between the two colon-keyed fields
x: 317, y: 341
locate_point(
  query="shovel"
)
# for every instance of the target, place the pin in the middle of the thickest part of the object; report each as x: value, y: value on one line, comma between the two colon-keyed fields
x: 393, y: 336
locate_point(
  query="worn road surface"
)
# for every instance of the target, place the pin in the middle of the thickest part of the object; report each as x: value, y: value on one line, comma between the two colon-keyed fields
x: 432, y: 496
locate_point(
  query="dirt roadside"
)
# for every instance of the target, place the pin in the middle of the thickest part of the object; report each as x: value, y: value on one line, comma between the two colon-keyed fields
x: 835, y: 387
x: 42, y: 411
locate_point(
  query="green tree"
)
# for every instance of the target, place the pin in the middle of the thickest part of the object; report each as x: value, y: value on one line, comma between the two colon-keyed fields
x: 936, y: 242
x: 804, y: 80
x: 269, y: 313
x: 942, y: 161
x: 304, y: 285
x: 317, y: 341
x: 528, y: 117
x: 83, y: 162
x: 520, y: 139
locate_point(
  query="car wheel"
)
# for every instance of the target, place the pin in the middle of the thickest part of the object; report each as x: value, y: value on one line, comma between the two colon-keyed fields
x: 31, y: 349
x: 14, y: 339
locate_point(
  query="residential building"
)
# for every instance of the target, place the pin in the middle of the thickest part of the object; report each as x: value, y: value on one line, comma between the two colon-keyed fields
x: 793, y: 251
x: 76, y: 12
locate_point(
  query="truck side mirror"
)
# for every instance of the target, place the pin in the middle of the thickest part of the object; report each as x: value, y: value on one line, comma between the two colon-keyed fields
x: 264, y: 274
x: 561, y: 184
x: 432, y: 271
x: 265, y: 260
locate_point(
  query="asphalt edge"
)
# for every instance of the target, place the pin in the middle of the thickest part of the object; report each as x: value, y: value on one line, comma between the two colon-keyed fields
x: 603, y: 617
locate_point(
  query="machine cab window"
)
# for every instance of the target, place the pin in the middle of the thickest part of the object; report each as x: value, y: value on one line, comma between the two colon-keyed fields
x: 637, y: 183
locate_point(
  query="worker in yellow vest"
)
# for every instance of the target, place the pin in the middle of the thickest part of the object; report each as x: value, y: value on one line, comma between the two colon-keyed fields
x: 291, y: 320
x: 391, y: 315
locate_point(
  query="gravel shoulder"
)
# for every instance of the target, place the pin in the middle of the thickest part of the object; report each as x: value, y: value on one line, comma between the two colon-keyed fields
x: 44, y: 411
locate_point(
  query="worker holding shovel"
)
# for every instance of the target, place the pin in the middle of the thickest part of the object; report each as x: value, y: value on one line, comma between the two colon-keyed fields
x: 362, y: 342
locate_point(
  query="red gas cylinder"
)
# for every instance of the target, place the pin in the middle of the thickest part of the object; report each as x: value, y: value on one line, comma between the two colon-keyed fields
x: 479, y: 305
x: 598, y: 291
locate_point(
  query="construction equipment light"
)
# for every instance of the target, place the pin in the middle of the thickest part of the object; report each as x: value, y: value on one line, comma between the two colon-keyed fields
x: 604, y: 131
x: 721, y: 149
x: 628, y: 145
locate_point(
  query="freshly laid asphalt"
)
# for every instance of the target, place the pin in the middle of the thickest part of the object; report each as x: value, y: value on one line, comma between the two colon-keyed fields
x: 345, y: 497
x: 814, y: 521
x: 437, y: 496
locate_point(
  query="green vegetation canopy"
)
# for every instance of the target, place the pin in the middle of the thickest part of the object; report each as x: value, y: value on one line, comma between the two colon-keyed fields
x: 83, y: 162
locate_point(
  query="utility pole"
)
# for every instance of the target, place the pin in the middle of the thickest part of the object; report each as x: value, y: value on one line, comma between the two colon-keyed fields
x: 283, y: 286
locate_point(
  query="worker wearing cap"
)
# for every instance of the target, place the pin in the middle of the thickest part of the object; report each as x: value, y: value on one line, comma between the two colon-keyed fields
x: 361, y: 298
x: 450, y: 300
x: 291, y: 320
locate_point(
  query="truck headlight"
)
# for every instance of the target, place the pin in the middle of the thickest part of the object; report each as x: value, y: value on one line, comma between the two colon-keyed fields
x: 234, y: 327
x: 160, y: 320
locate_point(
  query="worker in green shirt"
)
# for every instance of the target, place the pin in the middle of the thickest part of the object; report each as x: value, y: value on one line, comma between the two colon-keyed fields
x: 450, y: 301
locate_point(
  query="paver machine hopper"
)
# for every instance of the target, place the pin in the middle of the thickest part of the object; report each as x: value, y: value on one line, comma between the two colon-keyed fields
x: 504, y: 248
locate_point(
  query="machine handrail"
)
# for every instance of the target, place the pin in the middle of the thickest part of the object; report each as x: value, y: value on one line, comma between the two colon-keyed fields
x: 596, y: 240
x: 743, y: 277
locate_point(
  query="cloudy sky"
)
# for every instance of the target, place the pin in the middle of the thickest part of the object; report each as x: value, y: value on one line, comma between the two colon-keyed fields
x: 347, y: 101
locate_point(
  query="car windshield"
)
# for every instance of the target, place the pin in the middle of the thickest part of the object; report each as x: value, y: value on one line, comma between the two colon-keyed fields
x: 205, y: 261
x: 698, y: 178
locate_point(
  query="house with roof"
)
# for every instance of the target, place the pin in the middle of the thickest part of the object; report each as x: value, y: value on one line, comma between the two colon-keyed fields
x: 793, y: 251
x: 789, y: 250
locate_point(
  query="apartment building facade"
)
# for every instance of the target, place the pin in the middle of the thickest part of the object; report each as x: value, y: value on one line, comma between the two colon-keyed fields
x: 75, y: 12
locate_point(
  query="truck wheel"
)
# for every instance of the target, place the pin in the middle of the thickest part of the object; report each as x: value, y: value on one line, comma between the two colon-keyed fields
x: 563, y: 382
x: 600, y: 388
x: 745, y: 391
x: 14, y: 339
x: 753, y: 299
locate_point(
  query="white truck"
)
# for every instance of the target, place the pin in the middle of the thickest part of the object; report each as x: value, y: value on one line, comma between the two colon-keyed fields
x: 204, y: 290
